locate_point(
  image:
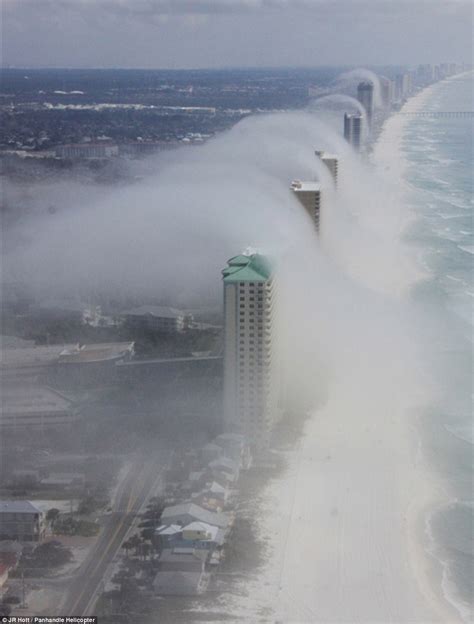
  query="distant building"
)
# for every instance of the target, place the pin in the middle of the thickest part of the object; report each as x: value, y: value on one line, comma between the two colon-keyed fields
x: 63, y: 364
x: 60, y: 309
x: 332, y: 163
x: 20, y: 520
x: 158, y: 318
x: 141, y: 148
x: 402, y: 86
x: 353, y: 130
x: 386, y: 91
x: 34, y: 407
x: 250, y: 383
x: 29, y: 365
x: 87, y: 150
x: 97, y: 352
x: 92, y: 364
x: 365, y: 95
x: 425, y: 74
x: 309, y: 196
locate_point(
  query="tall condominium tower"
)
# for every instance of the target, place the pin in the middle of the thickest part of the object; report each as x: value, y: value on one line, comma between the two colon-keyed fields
x: 250, y: 368
x: 331, y: 162
x: 309, y: 196
x: 386, y: 91
x: 365, y: 95
x: 353, y: 128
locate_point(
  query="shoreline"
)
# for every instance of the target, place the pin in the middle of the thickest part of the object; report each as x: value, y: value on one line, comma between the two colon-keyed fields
x: 429, y: 567
x: 331, y: 560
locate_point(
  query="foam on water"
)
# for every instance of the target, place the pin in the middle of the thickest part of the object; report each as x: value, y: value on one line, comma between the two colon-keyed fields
x: 431, y: 148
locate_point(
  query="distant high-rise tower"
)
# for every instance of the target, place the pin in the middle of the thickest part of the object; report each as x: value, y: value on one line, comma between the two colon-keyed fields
x: 250, y: 368
x: 402, y: 86
x: 365, y: 95
x: 331, y: 162
x: 309, y: 196
x: 353, y: 128
x: 386, y: 91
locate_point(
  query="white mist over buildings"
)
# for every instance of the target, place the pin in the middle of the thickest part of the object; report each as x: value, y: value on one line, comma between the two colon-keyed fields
x: 331, y: 162
x: 168, y: 237
x: 353, y: 130
x: 365, y: 95
x: 309, y: 196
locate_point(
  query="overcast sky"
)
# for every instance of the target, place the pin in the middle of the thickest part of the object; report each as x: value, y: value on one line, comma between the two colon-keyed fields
x: 219, y: 33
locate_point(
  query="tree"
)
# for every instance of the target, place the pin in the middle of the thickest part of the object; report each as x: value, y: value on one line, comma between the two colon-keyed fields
x: 145, y: 550
x: 135, y: 542
x: 50, y: 554
x: 51, y: 517
x: 127, y: 545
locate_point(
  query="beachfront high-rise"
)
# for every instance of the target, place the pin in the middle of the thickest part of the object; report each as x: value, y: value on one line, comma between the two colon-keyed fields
x: 331, y: 162
x: 250, y: 368
x: 309, y: 196
x: 365, y: 95
x: 353, y: 129
x: 386, y: 91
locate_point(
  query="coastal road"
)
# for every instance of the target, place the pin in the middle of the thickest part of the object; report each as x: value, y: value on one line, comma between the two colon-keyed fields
x: 130, y: 497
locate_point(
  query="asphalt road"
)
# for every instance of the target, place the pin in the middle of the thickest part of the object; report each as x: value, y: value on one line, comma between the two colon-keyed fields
x: 130, y: 497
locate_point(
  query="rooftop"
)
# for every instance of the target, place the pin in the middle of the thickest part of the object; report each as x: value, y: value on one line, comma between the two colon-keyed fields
x: 95, y: 352
x: 169, y: 529
x: 211, y: 530
x: 196, y: 512
x: 251, y: 268
x: 31, y: 356
x: 24, y: 357
x: 299, y: 186
x: 18, y: 507
x: 158, y: 311
x: 325, y: 155
x: 33, y: 399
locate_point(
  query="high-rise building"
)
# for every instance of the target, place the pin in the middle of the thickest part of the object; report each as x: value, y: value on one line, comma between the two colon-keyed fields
x: 365, y: 95
x: 353, y: 128
x: 386, y: 91
x: 250, y: 367
x: 331, y: 162
x: 309, y: 196
x: 402, y: 86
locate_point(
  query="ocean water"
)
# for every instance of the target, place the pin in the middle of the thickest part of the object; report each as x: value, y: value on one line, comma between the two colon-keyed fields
x: 439, y: 155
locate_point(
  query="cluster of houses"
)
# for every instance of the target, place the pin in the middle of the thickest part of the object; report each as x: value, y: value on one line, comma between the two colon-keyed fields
x: 193, y: 534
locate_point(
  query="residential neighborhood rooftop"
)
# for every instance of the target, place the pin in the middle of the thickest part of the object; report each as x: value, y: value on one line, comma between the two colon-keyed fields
x: 196, y: 512
x: 18, y: 507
